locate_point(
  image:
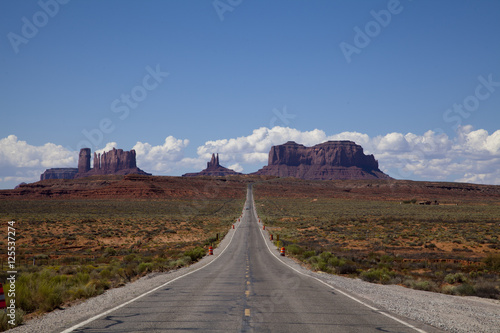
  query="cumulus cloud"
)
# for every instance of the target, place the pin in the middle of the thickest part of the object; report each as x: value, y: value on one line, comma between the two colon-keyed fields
x: 254, y: 148
x: 22, y: 162
x: 163, y: 158
x: 470, y: 156
x: 109, y: 146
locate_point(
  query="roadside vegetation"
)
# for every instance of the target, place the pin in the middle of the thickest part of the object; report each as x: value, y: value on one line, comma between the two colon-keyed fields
x: 70, y: 250
x: 452, y: 249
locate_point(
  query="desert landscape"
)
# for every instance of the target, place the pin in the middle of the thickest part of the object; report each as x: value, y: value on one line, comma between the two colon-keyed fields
x: 423, y: 235
x: 85, y: 235
x: 79, y: 237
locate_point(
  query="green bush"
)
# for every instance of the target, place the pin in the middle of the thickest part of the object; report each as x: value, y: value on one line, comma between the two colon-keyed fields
x: 294, y: 249
x: 336, y: 262
x: 455, y: 278
x: 421, y: 285
x: 308, y: 254
x: 464, y: 289
x: 380, y: 275
x: 325, y: 256
x: 196, y: 253
x: 4, y: 320
x: 145, y: 267
x: 492, y: 261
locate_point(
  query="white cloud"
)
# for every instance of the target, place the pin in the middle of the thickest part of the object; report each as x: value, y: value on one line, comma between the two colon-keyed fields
x: 22, y: 162
x: 236, y: 167
x: 163, y: 158
x: 109, y: 146
x: 255, y: 147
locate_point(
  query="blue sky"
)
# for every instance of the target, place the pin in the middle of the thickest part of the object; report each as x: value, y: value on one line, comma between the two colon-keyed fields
x: 420, y: 91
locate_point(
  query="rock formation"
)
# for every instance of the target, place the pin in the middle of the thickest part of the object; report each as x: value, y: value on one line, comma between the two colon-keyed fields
x: 213, y: 169
x: 84, y: 160
x: 325, y: 161
x: 113, y: 162
x: 59, y: 173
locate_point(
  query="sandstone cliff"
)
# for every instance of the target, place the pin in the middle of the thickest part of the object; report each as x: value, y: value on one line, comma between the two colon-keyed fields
x: 325, y: 161
x: 59, y: 173
x: 113, y: 162
x: 213, y: 169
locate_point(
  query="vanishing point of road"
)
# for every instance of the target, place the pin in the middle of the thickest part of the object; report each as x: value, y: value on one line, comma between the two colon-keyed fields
x: 247, y: 288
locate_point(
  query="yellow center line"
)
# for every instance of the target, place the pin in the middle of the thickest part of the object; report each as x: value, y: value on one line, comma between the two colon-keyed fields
x: 247, y: 293
x: 247, y: 312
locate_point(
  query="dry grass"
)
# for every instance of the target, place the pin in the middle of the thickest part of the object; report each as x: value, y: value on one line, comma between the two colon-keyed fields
x: 387, y: 242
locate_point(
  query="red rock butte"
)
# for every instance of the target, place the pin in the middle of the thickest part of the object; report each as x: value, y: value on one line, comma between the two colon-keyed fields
x: 326, y: 161
x: 113, y: 162
x: 213, y: 169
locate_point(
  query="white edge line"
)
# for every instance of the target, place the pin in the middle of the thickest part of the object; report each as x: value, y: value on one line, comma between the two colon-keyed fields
x: 337, y: 290
x: 72, y: 328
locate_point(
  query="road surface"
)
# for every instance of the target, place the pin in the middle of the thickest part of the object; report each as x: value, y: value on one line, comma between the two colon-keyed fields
x: 247, y: 288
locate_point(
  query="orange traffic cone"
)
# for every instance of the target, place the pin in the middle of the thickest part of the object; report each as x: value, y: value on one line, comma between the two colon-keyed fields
x: 263, y: 227
x: 271, y: 237
x: 282, y: 251
x: 210, y: 250
x: 233, y: 226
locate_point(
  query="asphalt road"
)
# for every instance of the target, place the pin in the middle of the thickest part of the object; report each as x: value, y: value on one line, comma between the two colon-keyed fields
x: 248, y: 289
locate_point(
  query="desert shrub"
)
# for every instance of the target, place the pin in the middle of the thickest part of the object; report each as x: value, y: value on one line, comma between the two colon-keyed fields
x: 420, y: 284
x: 447, y: 289
x: 308, y: 254
x: 130, y: 258
x: 465, y: 289
x: 294, y: 249
x: 110, y: 252
x: 105, y: 273
x: 145, y: 267
x: 455, y: 278
x: 211, y: 240
x: 492, y: 261
x: 196, y: 253
x: 336, y: 262
x: 487, y: 289
x: 325, y: 256
x: 318, y: 263
x: 4, y: 320
x: 98, y: 285
x: 380, y: 275
x: 181, y: 262
x: 347, y: 269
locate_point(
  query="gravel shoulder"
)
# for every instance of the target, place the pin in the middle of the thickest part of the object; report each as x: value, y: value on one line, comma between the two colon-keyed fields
x: 446, y: 312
